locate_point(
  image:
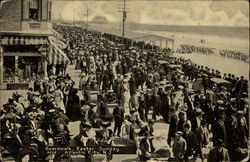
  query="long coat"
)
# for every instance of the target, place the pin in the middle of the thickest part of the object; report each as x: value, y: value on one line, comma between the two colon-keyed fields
x: 215, y: 155
x: 189, y: 137
x: 179, y: 148
x: 173, y: 125
x: 201, y: 137
x: 219, y: 131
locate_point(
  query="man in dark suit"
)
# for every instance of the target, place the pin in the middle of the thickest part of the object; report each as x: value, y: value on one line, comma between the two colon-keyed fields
x: 117, y: 87
x: 156, y: 102
x: 173, y: 125
x: 201, y: 139
x: 218, y: 153
x: 148, y: 99
x: 146, y: 147
x: 196, y: 121
x: 188, y: 135
x: 219, y: 130
x: 147, y: 128
x: 118, y: 115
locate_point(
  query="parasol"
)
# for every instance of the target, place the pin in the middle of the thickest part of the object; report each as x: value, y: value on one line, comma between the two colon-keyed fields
x: 219, y: 81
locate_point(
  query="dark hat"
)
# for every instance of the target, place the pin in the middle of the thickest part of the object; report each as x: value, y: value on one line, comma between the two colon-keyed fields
x: 151, y: 121
x: 146, y: 133
x: 203, y: 122
x: 187, y: 125
x: 105, y: 125
x: 7, y: 106
x: 231, y: 111
x: 11, y: 99
x: 219, y: 142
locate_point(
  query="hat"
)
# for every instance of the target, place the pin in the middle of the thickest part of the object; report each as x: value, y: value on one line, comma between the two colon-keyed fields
x: 133, y: 110
x: 85, y: 107
x: 151, y: 121
x: 240, y: 112
x: 52, y: 110
x: 198, y: 111
x: 36, y: 93
x: 179, y: 133
x: 169, y: 86
x: 105, y: 125
x: 223, y: 87
x: 163, y: 82
x: 187, y: 125
x: 11, y: 99
x: 220, y: 102
x: 146, y: 133
x: 203, y: 122
x: 92, y: 104
x: 219, y: 142
x: 180, y: 87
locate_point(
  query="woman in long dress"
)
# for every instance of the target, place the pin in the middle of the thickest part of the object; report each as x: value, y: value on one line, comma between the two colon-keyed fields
x: 59, y: 99
x: 126, y: 96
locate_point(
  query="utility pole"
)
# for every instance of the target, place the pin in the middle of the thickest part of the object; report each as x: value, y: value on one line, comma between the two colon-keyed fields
x: 73, y: 17
x: 124, y: 11
x: 87, y: 16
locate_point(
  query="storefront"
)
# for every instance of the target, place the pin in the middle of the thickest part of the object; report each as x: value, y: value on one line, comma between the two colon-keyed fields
x: 24, y: 58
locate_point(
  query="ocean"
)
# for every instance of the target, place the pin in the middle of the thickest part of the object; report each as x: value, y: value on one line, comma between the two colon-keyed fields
x: 228, y: 38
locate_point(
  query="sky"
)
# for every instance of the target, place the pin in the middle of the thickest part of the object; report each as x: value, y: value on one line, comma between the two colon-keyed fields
x: 207, y: 13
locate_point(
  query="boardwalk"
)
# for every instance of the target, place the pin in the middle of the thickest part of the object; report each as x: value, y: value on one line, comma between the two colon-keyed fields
x: 160, y: 127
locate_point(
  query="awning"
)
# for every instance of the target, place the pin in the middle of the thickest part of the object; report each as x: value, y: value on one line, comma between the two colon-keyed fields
x: 23, y: 40
x: 56, y: 55
x: 58, y: 42
x: 26, y: 54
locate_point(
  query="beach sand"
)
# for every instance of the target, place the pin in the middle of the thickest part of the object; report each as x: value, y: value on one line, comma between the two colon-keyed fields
x: 212, y: 41
x: 225, y: 65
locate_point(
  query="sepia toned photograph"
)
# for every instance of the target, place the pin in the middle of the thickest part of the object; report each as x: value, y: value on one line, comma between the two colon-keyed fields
x: 124, y: 81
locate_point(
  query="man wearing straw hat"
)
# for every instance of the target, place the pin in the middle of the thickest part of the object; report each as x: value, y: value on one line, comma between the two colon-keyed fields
x: 179, y: 146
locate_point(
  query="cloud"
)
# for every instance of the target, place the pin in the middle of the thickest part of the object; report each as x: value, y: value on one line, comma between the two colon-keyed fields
x: 231, y: 7
x: 216, y: 13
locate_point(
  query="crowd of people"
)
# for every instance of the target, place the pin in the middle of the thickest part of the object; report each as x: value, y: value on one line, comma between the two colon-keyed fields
x: 235, y: 55
x: 193, y: 49
x: 138, y: 82
x: 212, y: 51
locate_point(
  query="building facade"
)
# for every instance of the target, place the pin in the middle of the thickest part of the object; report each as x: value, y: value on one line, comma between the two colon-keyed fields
x: 25, y: 42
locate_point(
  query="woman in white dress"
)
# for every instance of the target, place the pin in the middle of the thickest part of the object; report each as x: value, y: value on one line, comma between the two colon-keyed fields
x: 126, y: 95
x: 59, y: 99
